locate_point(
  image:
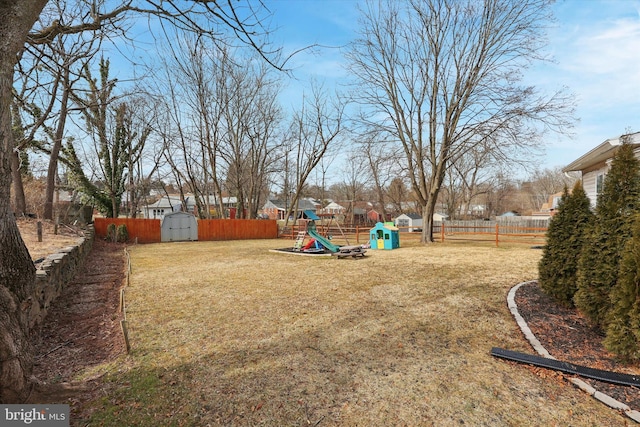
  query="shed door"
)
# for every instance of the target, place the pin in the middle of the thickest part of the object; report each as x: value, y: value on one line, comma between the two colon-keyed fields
x: 179, y: 226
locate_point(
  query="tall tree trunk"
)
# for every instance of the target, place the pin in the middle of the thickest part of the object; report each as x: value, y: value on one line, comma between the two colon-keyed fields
x: 17, y: 272
x: 20, y: 202
x: 52, y: 171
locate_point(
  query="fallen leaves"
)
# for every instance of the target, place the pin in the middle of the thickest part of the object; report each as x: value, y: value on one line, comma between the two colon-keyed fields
x: 567, y: 335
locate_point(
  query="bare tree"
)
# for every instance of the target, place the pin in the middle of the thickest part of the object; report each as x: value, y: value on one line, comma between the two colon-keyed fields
x: 465, y: 178
x: 443, y: 76
x: 251, y: 116
x: 321, y: 175
x: 262, y: 133
x: 143, y: 150
x: 224, y: 112
x: 399, y: 194
x: 17, y: 19
x: 501, y: 194
x: 384, y: 164
x: 190, y: 123
x: 353, y: 185
x: 543, y: 183
x: 58, y: 57
x: 313, y: 132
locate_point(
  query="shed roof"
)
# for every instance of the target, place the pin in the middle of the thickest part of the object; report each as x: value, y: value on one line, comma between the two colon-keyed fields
x: 412, y: 215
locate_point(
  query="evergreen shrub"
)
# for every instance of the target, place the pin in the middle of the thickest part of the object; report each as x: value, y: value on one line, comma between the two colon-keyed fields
x: 600, y: 259
x: 567, y: 233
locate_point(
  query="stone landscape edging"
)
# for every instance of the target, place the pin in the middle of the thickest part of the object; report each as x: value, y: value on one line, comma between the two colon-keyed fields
x: 55, y: 272
x: 538, y: 347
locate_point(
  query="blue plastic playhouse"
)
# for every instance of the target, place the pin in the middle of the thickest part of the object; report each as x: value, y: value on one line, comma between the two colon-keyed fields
x: 384, y: 236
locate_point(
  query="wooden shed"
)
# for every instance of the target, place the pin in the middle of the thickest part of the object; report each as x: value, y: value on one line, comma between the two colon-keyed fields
x: 384, y: 237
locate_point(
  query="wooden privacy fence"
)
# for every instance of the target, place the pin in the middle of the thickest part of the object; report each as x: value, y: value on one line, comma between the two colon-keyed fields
x: 142, y: 230
x: 148, y: 230
x: 237, y: 229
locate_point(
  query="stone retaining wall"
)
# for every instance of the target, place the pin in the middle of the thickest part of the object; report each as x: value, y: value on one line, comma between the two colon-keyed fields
x: 56, y: 271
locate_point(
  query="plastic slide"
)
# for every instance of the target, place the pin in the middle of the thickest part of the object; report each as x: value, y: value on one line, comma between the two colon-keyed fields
x: 309, y: 245
x: 311, y: 229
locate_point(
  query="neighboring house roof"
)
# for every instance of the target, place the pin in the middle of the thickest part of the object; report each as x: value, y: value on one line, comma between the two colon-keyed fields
x: 213, y: 200
x: 172, y: 202
x: 334, y: 206
x: 601, y: 153
x: 413, y: 215
x: 417, y: 217
x: 166, y: 202
x: 314, y: 202
x: 306, y: 204
x: 303, y: 205
x: 552, y: 203
x: 274, y: 203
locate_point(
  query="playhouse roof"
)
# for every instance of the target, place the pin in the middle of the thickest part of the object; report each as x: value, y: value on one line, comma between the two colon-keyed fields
x: 380, y: 225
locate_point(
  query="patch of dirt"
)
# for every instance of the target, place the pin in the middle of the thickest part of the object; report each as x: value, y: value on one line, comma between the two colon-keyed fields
x: 51, y: 242
x: 569, y: 337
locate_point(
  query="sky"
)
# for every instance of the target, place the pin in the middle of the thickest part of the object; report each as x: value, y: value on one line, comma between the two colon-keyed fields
x: 595, y: 45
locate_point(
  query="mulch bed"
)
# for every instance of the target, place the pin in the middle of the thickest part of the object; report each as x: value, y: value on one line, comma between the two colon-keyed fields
x: 567, y: 335
x: 82, y: 327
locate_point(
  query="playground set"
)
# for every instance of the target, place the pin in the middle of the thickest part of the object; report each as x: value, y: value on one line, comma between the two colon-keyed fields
x: 319, y: 244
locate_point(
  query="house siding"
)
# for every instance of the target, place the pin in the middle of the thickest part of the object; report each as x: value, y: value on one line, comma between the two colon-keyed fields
x: 589, y: 184
x: 590, y: 169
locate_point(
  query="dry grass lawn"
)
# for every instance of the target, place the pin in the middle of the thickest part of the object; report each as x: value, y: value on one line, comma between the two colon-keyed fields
x: 228, y: 333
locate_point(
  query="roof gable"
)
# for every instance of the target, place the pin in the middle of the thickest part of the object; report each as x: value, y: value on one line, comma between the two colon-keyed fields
x: 601, y: 153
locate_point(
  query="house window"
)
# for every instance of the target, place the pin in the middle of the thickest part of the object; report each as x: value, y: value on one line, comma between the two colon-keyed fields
x: 599, y: 183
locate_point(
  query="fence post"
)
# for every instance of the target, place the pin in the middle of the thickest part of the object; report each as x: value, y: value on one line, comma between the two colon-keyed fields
x: 442, y: 232
x: 497, y: 234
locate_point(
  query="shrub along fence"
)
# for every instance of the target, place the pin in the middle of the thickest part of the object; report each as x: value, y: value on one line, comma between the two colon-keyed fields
x: 148, y: 230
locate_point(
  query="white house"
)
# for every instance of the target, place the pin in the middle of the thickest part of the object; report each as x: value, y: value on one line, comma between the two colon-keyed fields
x: 334, y: 208
x: 167, y: 205
x: 173, y: 203
x: 594, y: 165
